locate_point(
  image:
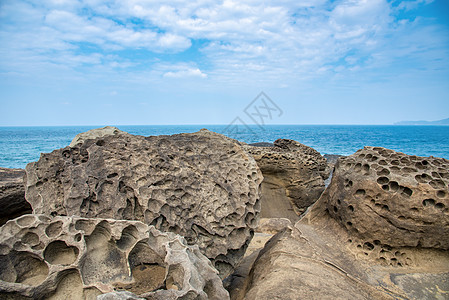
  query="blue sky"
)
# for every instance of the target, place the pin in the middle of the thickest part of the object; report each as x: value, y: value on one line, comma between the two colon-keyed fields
x: 140, y: 62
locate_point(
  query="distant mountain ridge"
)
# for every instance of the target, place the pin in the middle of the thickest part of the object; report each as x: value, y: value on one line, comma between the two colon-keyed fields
x: 439, y: 122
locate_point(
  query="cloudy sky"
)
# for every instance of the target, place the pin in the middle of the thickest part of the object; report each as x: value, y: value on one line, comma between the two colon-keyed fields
x: 136, y: 62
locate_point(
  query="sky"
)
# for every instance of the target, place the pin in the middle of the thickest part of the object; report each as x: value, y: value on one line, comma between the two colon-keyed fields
x: 147, y: 62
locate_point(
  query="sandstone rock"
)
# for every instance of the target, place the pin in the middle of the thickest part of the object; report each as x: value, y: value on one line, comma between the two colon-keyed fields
x: 290, y: 267
x: 348, y: 245
x: 94, y: 134
x: 273, y: 225
x: 392, y: 199
x: 294, y: 177
x: 203, y: 186
x: 81, y: 258
x: 12, y: 195
x: 237, y: 282
x: 316, y: 262
x: 123, y: 295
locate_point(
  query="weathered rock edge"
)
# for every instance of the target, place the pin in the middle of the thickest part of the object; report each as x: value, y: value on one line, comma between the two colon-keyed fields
x: 51, y: 258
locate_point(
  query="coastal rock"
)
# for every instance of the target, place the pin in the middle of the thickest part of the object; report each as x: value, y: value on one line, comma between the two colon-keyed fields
x: 53, y: 258
x: 390, y: 198
x: 294, y: 177
x: 12, y: 195
x: 348, y: 245
x: 293, y: 267
x: 94, y: 134
x: 203, y: 186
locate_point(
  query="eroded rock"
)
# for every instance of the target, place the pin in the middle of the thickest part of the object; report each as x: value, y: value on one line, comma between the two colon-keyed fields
x: 81, y: 258
x: 390, y: 198
x: 203, y: 186
x: 294, y: 177
x: 94, y: 134
x: 348, y: 245
x: 12, y: 195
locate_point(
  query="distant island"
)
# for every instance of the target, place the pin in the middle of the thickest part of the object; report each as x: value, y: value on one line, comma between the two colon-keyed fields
x: 439, y: 122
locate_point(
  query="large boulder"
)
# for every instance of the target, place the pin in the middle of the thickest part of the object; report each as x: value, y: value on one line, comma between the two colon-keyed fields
x: 294, y: 177
x: 81, y: 258
x: 203, y: 186
x: 379, y: 231
x: 390, y: 198
x: 12, y: 195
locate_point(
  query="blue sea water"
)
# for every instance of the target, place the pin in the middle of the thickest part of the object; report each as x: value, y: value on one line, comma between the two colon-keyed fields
x: 21, y: 145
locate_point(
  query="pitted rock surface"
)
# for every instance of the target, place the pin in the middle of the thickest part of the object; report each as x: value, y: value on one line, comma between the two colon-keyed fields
x: 293, y: 173
x: 203, y: 186
x: 391, y: 199
x: 81, y: 258
x: 12, y: 194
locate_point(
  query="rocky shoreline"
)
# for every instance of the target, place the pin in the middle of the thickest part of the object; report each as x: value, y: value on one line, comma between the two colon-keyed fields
x: 203, y: 216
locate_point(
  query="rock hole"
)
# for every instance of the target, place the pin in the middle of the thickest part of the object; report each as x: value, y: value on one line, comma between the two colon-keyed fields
x: 428, y: 202
x: 22, y: 267
x: 26, y: 220
x: 77, y: 237
x: 58, y: 253
x: 351, y: 208
x: 382, y: 180
x: 407, y: 192
x: 360, y: 192
x: 100, y: 143
x: 30, y: 238
x: 394, y: 186
x: 383, y: 172
x: 441, y: 194
x: 128, y: 238
x: 112, y: 175
x: 53, y: 229
x: 386, y: 187
x: 368, y: 246
x: 439, y: 205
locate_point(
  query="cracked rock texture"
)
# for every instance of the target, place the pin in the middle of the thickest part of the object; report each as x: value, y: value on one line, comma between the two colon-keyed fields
x: 203, y: 186
x: 81, y: 258
x: 387, y: 197
x: 294, y: 177
x: 12, y: 195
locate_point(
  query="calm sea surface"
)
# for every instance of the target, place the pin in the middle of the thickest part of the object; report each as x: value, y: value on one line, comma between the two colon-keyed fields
x: 21, y: 145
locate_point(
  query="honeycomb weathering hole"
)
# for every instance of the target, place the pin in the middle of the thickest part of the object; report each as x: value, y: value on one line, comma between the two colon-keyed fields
x: 26, y: 220
x: 53, y: 229
x: 58, y: 253
x: 146, y: 278
x: 22, y: 267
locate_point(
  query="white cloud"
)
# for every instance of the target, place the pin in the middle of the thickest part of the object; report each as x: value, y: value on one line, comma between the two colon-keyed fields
x: 241, y: 39
x: 190, y: 72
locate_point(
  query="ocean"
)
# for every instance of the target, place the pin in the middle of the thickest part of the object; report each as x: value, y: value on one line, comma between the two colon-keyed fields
x: 22, y: 145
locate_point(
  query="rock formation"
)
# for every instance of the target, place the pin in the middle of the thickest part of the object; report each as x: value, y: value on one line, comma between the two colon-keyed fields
x: 294, y: 177
x: 379, y: 231
x: 12, y: 195
x: 390, y: 198
x: 203, y: 186
x: 80, y: 258
x: 94, y: 134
